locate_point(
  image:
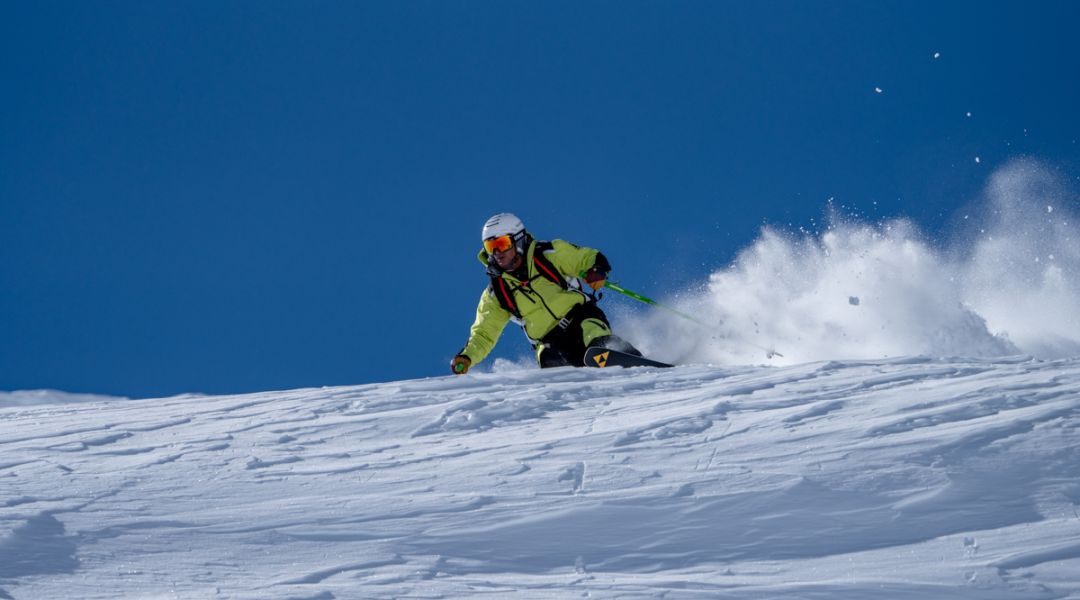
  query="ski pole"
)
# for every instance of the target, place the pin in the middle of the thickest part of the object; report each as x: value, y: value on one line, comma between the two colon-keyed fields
x: 641, y: 298
x: 769, y: 352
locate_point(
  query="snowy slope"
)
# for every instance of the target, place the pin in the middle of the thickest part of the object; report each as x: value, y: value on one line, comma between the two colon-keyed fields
x: 35, y: 397
x: 904, y: 478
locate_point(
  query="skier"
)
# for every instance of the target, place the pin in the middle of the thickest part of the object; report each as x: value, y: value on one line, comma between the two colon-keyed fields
x: 536, y: 284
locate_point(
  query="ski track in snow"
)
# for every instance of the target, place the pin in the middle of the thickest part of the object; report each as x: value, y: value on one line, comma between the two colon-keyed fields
x: 902, y: 478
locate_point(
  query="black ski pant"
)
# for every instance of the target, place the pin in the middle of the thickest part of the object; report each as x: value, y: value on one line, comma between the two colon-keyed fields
x: 565, y: 345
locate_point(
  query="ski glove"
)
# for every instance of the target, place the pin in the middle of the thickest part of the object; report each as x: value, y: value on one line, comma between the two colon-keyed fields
x: 595, y: 278
x: 460, y: 365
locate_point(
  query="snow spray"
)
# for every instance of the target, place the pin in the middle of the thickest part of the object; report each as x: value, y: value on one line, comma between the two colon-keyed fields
x: 1010, y: 284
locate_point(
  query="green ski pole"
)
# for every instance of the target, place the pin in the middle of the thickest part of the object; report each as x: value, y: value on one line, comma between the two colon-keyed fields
x: 769, y: 353
x: 641, y: 298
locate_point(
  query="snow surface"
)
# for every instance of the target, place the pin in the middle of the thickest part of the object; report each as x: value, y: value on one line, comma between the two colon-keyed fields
x: 902, y: 478
x: 34, y: 397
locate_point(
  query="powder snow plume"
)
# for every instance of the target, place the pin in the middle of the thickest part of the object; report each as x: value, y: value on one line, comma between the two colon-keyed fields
x: 1010, y: 285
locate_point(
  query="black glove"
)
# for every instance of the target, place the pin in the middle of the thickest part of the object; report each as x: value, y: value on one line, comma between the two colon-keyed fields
x: 595, y: 278
x: 597, y: 275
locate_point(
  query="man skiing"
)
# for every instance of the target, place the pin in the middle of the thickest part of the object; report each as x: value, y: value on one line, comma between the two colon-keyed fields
x: 536, y: 284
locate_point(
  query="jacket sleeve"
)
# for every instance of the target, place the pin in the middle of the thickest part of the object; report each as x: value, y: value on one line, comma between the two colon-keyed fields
x: 572, y: 260
x: 491, y: 319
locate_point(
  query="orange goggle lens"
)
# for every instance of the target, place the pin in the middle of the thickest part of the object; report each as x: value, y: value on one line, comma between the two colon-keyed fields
x: 498, y: 244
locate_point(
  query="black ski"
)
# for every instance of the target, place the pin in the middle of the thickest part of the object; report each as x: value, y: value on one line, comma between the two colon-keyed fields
x: 605, y: 357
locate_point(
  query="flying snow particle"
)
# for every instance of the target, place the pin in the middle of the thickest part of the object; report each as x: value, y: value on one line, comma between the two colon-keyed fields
x: 853, y: 300
x: 977, y: 160
x: 969, y: 114
x: 878, y: 90
x: 1049, y: 209
x: 937, y: 55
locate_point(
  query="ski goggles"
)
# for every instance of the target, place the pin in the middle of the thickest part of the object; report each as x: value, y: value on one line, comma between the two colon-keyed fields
x: 501, y: 243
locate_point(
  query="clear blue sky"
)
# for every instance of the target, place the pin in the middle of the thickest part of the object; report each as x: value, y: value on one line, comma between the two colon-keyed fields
x: 234, y: 196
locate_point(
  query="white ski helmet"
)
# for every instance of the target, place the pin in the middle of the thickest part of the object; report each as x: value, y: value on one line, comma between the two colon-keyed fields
x: 503, y: 224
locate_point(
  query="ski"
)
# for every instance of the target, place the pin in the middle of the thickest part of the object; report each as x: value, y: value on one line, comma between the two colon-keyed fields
x: 605, y: 357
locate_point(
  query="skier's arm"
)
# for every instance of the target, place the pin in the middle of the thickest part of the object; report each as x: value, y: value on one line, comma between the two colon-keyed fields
x: 491, y: 319
x: 574, y: 260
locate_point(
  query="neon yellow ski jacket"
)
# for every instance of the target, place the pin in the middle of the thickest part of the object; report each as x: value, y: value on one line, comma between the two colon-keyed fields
x: 541, y: 302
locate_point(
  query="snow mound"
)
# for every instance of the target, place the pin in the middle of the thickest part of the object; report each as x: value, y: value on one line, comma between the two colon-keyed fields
x: 904, y: 478
x: 39, y: 397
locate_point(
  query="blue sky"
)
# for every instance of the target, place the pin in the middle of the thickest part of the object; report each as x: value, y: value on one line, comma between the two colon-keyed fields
x: 235, y: 196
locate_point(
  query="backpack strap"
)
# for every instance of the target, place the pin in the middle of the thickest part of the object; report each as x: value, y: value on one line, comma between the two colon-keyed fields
x: 545, y: 268
x: 503, y: 294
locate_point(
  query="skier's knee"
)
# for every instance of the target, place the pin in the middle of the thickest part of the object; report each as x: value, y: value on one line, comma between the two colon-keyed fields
x: 592, y: 330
